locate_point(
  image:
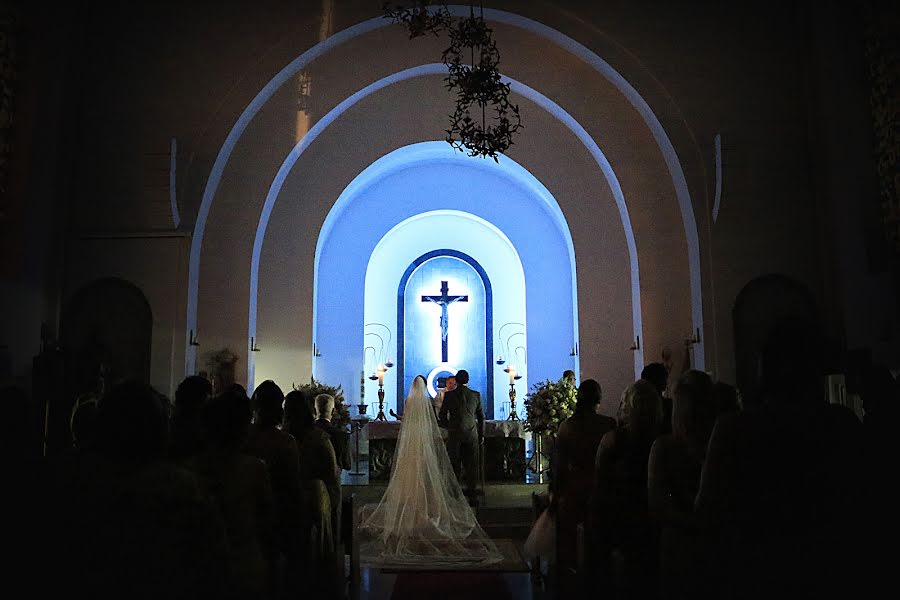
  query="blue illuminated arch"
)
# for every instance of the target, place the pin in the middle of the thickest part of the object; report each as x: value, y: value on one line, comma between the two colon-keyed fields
x: 488, y: 321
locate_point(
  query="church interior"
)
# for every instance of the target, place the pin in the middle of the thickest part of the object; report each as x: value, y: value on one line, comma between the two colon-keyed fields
x: 660, y: 238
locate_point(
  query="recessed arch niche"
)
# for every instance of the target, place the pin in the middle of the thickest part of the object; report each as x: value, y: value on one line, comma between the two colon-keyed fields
x: 485, y: 202
x: 485, y: 249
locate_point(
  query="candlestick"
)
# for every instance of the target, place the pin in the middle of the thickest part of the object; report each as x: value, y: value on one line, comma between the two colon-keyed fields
x: 512, y: 403
x: 381, y: 416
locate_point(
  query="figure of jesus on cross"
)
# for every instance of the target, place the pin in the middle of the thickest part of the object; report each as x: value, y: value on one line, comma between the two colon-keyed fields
x: 444, y: 301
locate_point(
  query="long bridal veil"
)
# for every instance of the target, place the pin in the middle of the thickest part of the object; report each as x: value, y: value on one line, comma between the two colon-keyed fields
x: 423, y: 518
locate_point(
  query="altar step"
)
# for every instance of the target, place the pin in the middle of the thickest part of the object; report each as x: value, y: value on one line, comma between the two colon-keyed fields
x: 358, y: 477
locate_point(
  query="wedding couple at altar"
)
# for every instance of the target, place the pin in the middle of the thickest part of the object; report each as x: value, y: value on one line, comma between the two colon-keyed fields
x: 424, y: 519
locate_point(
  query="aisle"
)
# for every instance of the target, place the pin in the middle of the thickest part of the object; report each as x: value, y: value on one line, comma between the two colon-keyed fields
x: 451, y: 585
x: 506, y: 514
x: 500, y: 581
x: 468, y: 585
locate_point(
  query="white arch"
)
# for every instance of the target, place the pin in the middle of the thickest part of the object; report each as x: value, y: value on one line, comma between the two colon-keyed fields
x: 465, y: 215
x: 557, y: 37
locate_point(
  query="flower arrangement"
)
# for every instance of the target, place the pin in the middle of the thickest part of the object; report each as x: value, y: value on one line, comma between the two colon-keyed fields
x: 549, y: 404
x: 340, y: 418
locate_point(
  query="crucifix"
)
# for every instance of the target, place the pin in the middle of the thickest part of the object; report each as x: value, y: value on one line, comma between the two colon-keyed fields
x: 444, y: 301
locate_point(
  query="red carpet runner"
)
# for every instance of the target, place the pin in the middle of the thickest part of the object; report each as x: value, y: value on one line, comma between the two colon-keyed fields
x: 463, y: 585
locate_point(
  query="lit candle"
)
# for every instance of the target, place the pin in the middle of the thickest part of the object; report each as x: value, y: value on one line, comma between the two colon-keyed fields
x: 380, y: 374
x: 512, y: 374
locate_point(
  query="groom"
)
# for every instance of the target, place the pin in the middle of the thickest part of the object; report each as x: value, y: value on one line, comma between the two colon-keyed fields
x: 461, y: 414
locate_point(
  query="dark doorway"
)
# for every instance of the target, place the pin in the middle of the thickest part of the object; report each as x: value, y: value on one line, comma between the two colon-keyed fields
x: 105, y: 334
x: 763, y: 302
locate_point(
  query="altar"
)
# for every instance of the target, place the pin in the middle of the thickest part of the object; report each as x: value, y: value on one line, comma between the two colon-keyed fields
x: 504, y: 449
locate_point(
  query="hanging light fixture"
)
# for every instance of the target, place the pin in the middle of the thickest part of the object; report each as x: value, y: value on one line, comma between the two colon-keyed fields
x: 484, y: 120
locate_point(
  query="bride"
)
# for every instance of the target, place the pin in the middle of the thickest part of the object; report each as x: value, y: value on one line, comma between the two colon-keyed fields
x: 423, y: 518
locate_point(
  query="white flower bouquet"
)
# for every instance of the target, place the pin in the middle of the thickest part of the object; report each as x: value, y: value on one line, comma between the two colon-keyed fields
x: 549, y: 404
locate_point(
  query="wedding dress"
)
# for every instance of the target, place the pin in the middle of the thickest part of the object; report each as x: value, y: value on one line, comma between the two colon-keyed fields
x: 423, y: 519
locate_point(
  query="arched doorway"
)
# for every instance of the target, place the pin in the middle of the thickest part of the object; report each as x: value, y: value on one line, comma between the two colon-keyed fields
x: 762, y: 303
x: 106, y: 332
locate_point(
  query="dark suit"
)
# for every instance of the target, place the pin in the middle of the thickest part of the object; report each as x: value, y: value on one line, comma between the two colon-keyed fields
x: 340, y: 440
x: 463, y: 417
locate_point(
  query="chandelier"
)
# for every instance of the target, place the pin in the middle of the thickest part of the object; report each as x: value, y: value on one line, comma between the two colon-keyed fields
x: 484, y: 120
